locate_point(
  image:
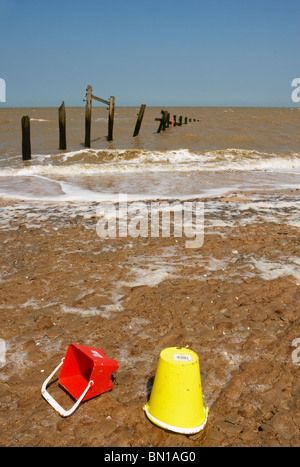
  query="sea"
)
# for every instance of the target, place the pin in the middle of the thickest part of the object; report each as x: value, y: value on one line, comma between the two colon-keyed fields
x: 218, y: 151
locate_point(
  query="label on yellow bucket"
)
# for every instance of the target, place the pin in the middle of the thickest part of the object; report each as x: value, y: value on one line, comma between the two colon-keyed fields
x: 182, y: 358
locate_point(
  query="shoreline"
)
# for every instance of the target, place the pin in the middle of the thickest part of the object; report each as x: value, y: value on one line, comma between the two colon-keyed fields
x: 263, y: 203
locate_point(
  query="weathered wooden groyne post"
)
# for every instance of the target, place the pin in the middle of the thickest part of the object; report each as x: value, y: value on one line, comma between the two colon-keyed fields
x: 62, y: 127
x: 26, y: 143
x: 164, y: 121
x: 88, y: 117
x: 139, y: 120
x: 111, y: 116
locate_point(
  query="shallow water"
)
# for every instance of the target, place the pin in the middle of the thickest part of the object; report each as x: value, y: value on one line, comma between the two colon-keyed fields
x: 224, y: 149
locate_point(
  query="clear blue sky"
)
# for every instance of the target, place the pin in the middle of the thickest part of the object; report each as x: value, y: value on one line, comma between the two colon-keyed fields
x: 157, y: 52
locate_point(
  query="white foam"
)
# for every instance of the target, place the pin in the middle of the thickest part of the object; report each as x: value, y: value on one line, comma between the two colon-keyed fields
x: 151, y: 276
x: 181, y: 160
x: 106, y: 311
x: 216, y: 265
x: 90, y: 174
x: 271, y: 270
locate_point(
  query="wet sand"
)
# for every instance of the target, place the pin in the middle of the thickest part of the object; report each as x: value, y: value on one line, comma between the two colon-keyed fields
x: 235, y: 302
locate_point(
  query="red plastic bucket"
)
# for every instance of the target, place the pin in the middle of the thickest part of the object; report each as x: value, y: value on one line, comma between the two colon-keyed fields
x: 86, y: 373
x: 84, y: 364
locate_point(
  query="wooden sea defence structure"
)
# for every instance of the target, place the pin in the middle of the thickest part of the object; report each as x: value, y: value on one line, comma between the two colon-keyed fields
x: 139, y: 120
x: 26, y: 142
x: 62, y: 127
x: 164, y: 123
x: 88, y: 115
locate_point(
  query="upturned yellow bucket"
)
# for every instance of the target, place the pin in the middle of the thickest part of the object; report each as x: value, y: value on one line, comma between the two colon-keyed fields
x: 176, y: 401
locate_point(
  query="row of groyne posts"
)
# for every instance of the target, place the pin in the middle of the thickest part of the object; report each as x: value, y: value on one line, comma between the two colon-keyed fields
x: 165, y: 122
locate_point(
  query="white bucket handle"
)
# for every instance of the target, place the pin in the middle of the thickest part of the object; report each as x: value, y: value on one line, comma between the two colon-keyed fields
x: 54, y: 404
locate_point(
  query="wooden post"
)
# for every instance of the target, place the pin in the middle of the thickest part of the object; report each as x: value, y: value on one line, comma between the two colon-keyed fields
x: 139, y: 120
x: 168, y: 120
x: 62, y: 127
x: 180, y: 120
x: 111, y: 118
x: 88, y: 117
x: 26, y: 144
x: 161, y: 125
x: 165, y: 119
x: 185, y: 120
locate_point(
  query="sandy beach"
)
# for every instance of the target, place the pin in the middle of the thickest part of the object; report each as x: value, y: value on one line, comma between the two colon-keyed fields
x: 235, y: 302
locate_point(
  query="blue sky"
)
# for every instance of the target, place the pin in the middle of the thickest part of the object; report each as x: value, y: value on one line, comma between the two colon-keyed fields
x: 157, y: 52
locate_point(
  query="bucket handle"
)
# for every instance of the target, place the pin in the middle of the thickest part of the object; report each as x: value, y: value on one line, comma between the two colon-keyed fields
x: 52, y: 401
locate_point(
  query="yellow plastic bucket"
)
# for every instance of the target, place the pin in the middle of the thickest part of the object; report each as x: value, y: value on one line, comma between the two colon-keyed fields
x: 176, y: 402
